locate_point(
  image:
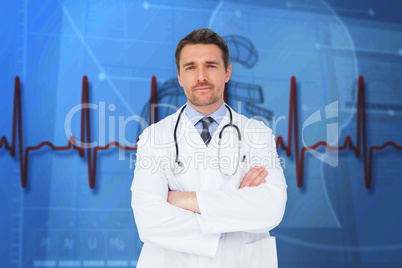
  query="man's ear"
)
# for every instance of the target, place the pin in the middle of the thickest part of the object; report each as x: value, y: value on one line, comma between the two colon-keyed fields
x: 178, y: 77
x: 228, y: 73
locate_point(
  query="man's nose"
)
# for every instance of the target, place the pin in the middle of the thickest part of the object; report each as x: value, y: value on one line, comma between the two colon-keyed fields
x: 202, y: 76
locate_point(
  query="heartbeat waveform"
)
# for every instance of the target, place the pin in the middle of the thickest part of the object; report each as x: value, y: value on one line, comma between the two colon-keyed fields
x: 86, y: 137
x: 361, y: 128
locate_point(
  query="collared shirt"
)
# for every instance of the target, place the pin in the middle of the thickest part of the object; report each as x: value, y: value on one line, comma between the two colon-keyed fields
x: 195, y: 117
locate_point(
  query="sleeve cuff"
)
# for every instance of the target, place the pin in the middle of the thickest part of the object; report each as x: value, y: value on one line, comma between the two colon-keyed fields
x: 201, y: 205
x: 203, y: 216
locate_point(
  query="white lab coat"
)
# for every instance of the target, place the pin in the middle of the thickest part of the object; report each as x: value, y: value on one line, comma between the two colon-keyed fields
x: 175, y: 237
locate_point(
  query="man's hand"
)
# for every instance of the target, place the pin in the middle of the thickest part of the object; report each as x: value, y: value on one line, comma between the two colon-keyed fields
x: 188, y: 200
x: 185, y: 200
x: 254, y: 177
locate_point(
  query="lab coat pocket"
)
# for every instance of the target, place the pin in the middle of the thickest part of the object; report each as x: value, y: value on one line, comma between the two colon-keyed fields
x: 261, y: 254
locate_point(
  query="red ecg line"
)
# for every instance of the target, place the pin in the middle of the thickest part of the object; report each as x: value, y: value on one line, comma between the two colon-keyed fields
x: 71, y: 142
x: 85, y: 125
x: 361, y: 128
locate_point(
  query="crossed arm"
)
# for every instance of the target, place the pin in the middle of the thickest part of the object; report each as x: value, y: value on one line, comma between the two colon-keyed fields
x: 188, y: 200
x: 193, y: 222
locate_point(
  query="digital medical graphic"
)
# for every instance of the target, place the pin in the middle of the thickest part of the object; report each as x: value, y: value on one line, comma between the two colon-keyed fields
x: 81, y: 80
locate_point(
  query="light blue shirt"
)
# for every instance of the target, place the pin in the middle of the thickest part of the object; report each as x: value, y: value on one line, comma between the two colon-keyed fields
x: 195, y: 117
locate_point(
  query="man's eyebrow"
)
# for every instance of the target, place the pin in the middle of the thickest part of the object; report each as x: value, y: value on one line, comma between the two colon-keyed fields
x: 207, y: 62
x: 188, y: 63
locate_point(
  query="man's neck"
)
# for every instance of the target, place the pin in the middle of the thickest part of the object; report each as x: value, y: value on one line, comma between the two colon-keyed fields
x: 208, y: 109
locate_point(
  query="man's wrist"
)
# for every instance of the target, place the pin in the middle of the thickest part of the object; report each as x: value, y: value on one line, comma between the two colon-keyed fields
x: 184, y: 200
x: 191, y: 202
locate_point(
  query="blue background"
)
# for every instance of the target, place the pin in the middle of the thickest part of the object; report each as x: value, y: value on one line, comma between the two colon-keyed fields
x: 331, y: 221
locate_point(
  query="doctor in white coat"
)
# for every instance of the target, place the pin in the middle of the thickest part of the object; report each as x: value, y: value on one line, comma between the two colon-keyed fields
x: 216, y: 207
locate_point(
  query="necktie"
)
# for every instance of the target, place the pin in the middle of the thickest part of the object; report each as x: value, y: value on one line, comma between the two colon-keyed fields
x: 205, y: 135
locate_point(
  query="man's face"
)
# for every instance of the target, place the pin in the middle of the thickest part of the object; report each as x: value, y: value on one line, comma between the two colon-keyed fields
x: 202, y: 74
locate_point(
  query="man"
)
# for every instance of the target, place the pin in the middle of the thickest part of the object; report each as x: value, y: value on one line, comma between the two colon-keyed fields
x: 197, y: 202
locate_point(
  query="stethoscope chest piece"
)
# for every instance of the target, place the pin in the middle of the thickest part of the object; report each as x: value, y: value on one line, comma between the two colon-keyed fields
x: 177, y: 167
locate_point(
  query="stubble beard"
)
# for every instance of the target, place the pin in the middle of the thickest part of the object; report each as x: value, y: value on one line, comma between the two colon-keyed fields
x: 215, y: 97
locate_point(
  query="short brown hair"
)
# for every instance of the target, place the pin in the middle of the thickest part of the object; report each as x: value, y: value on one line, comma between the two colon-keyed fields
x: 207, y: 37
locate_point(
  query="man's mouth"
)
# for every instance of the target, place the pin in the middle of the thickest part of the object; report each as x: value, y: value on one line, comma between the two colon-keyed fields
x: 203, y: 88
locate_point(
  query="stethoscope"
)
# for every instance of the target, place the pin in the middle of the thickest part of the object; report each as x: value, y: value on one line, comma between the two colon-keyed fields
x: 178, y: 165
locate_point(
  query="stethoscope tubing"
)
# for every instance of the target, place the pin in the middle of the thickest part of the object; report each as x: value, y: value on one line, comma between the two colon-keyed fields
x: 230, y: 124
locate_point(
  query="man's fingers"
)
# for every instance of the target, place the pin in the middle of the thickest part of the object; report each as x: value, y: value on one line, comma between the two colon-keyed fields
x: 254, y: 177
x: 252, y: 173
x: 249, y: 176
x: 259, y: 179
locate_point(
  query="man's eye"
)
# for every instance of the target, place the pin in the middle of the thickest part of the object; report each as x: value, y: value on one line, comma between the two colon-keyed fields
x: 211, y: 66
x: 190, y: 68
